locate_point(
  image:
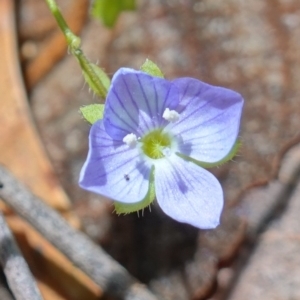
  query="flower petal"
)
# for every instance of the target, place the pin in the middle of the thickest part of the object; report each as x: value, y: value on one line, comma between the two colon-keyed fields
x: 209, y: 120
x: 188, y: 193
x: 136, y: 102
x: 112, y: 169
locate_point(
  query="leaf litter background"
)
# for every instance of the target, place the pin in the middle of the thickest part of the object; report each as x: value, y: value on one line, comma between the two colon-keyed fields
x: 250, y: 46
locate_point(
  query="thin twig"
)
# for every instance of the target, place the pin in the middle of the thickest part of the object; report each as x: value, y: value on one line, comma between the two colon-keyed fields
x: 18, y: 275
x: 87, y: 256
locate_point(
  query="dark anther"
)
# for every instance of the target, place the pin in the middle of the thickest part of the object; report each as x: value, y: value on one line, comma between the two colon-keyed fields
x: 126, y: 176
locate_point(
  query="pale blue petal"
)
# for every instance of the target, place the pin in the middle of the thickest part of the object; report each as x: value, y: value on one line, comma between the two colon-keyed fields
x: 112, y: 169
x: 209, y: 120
x: 135, y: 103
x: 188, y: 193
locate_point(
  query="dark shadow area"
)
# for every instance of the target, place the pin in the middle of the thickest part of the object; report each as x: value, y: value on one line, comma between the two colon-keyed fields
x: 151, y: 245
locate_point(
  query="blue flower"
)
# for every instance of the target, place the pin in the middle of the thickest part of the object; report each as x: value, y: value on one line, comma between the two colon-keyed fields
x: 171, y: 128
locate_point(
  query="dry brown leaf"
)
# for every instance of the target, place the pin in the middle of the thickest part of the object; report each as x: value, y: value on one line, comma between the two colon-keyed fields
x: 23, y: 154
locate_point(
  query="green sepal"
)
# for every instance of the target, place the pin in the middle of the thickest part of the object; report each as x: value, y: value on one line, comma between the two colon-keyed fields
x: 127, y: 208
x: 102, y: 77
x: 151, y: 68
x: 207, y: 165
x: 109, y: 10
x: 93, y: 112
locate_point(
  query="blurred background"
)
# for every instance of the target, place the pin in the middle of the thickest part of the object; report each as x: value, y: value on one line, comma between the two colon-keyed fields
x: 252, y: 47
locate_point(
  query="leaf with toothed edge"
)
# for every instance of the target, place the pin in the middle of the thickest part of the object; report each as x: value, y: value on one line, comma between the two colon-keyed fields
x: 102, y: 76
x: 93, y: 112
x: 151, y: 68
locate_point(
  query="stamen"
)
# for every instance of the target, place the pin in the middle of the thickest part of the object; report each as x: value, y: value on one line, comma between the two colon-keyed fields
x: 170, y: 115
x: 130, y: 139
x: 153, y: 143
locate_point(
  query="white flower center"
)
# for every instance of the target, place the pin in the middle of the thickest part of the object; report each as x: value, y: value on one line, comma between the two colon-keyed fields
x: 156, y: 143
x: 170, y: 115
x: 130, y: 139
x: 166, y: 151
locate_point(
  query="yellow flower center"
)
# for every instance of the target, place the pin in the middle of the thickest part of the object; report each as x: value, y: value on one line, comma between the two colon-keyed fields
x: 156, y: 144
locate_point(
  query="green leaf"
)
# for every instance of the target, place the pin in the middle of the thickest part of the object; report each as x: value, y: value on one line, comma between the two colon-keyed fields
x: 101, y: 76
x: 93, y: 112
x: 206, y: 165
x: 128, y: 4
x: 151, y: 68
x: 109, y: 10
x: 127, y: 208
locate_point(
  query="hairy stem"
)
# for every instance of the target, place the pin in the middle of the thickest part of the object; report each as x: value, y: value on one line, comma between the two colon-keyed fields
x: 74, y: 42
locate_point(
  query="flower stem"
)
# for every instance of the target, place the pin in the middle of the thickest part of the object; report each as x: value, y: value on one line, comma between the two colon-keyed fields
x: 73, y: 41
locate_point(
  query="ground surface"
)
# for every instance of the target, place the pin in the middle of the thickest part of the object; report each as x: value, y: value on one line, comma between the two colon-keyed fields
x: 250, y: 46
